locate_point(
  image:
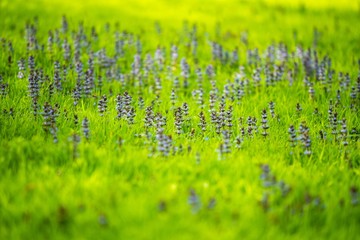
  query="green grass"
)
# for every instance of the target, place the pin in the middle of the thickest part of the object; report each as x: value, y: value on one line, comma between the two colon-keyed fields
x: 127, y: 192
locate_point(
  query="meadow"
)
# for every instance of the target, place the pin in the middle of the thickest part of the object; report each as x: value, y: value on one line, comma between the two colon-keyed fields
x: 179, y: 119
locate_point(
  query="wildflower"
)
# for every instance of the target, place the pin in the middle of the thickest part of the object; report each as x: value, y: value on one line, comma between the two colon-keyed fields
x: 222, y: 112
x: 119, y: 106
x: 159, y: 58
x: 167, y: 144
x: 176, y: 84
x: 66, y: 50
x: 250, y: 128
x: 173, y: 98
x: 200, y: 99
x: 53, y: 129
x: 185, y: 72
x: 292, y: 133
x: 353, y: 95
x: 136, y: 66
x: 354, y: 134
x: 64, y: 73
x: 305, y: 138
x: 76, y: 94
x: 130, y: 115
x: 86, y: 129
x: 148, y: 66
x: 31, y: 63
x: 217, y: 121
x: 334, y: 124
x: 3, y: 89
x: 102, y: 105
x: 149, y: 117
x: 344, y: 132
x: 21, y: 66
x: 264, y: 123
x: 128, y: 110
x: 185, y: 109
x: 346, y: 81
x: 279, y: 71
x: 57, y: 77
x: 89, y: 83
x: 239, y: 91
x: 235, y: 57
x: 34, y: 87
x: 254, y: 125
x: 50, y: 43
x: 202, y: 123
x: 272, y: 109
x: 210, y: 72
x: 161, y: 138
x: 49, y: 120
x: 267, y: 178
x: 311, y: 91
x: 77, y: 48
x: 242, y: 130
x: 212, y: 100
x: 79, y: 73
x: 256, y: 77
x: 174, y: 54
x: 199, y: 79
x: 119, y: 47
x: 178, y: 120
x: 226, y: 142
x: 158, y: 86
x: 228, y: 119
x: 227, y: 91
x: 194, y: 201
x: 46, y: 117
x: 76, y: 120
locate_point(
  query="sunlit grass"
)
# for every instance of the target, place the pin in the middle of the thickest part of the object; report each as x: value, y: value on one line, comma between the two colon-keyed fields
x: 118, y: 187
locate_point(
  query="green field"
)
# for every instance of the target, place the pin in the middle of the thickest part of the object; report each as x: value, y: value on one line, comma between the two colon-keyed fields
x: 179, y: 119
